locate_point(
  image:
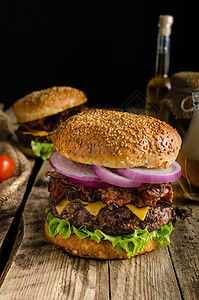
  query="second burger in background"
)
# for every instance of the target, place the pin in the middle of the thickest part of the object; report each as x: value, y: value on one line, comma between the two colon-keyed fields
x: 40, y: 112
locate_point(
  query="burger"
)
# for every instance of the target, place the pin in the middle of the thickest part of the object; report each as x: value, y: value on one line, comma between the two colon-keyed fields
x: 110, y: 193
x: 40, y: 112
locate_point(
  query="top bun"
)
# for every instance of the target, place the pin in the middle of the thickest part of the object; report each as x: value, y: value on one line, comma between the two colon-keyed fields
x: 117, y: 140
x: 47, y: 102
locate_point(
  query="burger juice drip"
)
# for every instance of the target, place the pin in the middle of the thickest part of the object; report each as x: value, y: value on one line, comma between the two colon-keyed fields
x: 189, y: 155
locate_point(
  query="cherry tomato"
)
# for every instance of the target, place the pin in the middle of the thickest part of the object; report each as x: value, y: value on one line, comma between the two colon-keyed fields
x: 7, y: 167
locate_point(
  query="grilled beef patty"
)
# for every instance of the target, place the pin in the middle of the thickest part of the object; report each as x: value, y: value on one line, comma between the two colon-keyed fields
x: 117, y: 221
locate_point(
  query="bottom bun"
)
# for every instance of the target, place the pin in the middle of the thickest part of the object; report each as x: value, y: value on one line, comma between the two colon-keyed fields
x: 88, y: 248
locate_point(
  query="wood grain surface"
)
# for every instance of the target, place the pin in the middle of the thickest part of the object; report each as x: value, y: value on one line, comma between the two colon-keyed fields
x: 40, y: 271
x: 7, y: 215
x: 10, y: 224
x: 148, y: 276
x: 184, y: 250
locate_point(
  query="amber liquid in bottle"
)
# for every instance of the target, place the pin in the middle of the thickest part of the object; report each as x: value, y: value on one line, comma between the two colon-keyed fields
x: 189, y: 180
x: 159, y: 86
x: 157, y: 90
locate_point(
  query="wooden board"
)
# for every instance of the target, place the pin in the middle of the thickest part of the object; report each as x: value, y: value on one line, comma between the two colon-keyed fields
x: 7, y: 215
x: 11, y: 231
x: 184, y: 248
x: 40, y: 271
x: 148, y: 276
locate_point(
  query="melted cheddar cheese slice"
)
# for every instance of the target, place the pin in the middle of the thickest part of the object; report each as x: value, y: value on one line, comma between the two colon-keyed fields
x: 95, y: 207
x: 38, y: 133
x: 139, y: 212
x: 60, y: 207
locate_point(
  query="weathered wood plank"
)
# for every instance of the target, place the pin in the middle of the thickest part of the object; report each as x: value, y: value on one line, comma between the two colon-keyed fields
x: 7, y: 215
x: 4, y: 223
x: 148, y: 276
x: 40, y: 271
x: 184, y: 248
x: 11, y: 229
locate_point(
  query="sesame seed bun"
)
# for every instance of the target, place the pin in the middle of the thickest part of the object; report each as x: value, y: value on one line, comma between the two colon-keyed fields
x: 47, y: 102
x: 117, y: 140
x: 88, y: 248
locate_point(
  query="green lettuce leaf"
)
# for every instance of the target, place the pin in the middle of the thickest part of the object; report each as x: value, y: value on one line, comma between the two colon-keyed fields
x: 64, y: 229
x: 80, y: 232
x: 53, y: 225
x: 42, y: 150
x: 162, y: 235
x: 132, y: 243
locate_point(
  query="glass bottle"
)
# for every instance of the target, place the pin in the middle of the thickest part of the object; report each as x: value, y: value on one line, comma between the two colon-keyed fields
x: 189, y: 155
x: 159, y: 86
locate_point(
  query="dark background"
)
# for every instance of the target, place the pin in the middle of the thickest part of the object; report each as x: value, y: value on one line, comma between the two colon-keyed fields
x: 104, y: 48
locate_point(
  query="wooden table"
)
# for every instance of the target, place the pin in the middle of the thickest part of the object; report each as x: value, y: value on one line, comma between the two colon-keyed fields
x: 32, y: 268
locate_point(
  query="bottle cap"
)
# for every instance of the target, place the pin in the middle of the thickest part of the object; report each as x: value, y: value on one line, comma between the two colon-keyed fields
x: 165, y: 23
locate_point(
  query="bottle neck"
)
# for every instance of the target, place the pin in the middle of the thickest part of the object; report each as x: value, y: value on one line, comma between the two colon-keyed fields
x: 163, y: 55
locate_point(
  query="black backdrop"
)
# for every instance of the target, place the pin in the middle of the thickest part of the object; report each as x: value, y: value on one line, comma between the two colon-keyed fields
x: 104, y: 48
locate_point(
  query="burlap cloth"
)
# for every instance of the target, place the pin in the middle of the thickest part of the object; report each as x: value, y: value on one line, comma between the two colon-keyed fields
x: 9, y: 147
x: 179, y: 99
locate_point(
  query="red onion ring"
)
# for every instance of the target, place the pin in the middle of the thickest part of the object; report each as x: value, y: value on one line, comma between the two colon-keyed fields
x: 101, y: 177
x: 77, y: 172
x: 114, y: 179
x: 159, y: 175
